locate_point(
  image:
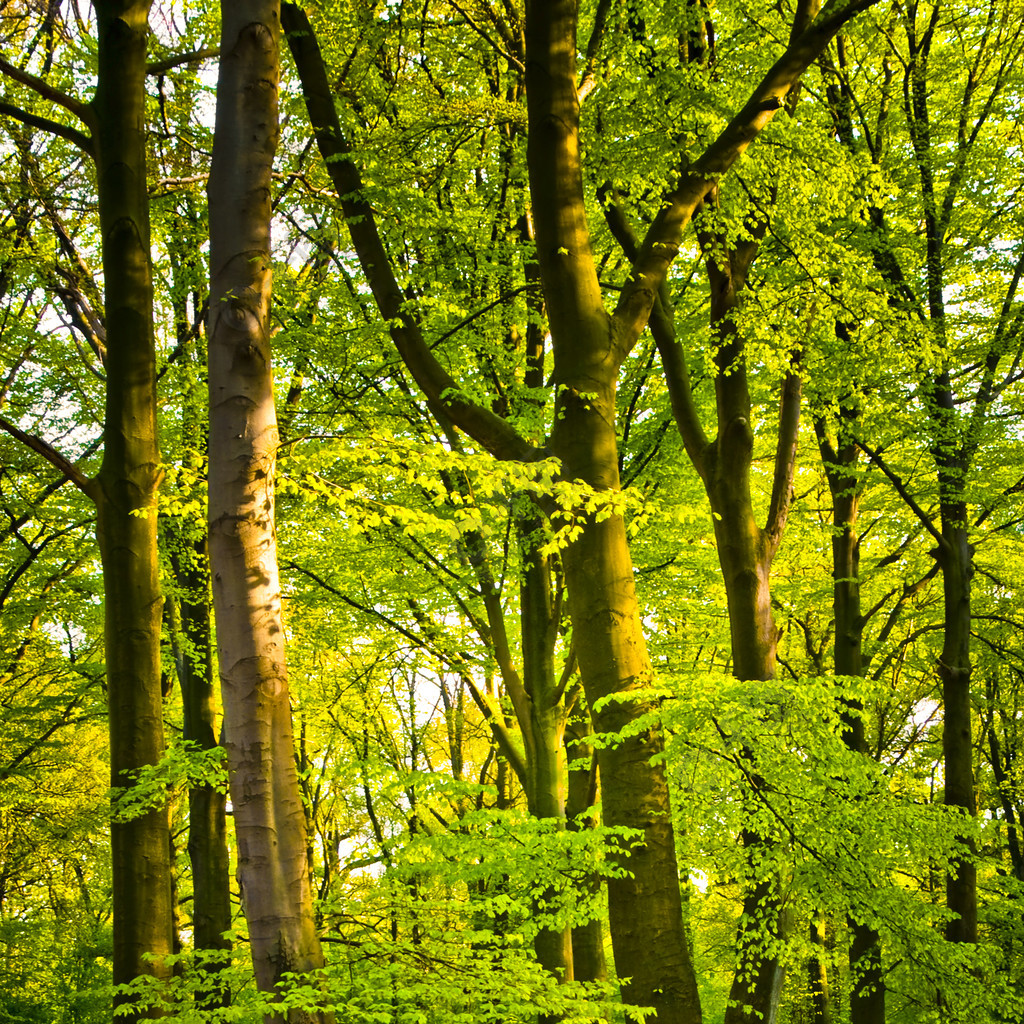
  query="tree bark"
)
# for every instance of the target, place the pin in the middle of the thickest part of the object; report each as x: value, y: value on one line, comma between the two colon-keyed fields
x: 745, y: 552
x: 270, y: 821
x: 126, y: 484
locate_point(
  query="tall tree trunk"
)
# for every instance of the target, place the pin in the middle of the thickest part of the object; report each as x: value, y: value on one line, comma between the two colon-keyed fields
x: 270, y: 822
x: 192, y: 632
x: 867, y: 992
x: 207, y: 817
x: 127, y: 482
x: 645, y: 908
x: 955, y: 558
x: 546, y: 719
x: 745, y: 553
x: 818, y: 983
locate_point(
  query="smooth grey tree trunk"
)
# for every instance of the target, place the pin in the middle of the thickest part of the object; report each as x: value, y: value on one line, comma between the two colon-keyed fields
x: 270, y: 822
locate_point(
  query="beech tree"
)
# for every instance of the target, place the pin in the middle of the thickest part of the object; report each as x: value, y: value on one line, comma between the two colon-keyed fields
x: 924, y: 281
x: 270, y: 823
x: 124, y: 489
x: 588, y: 348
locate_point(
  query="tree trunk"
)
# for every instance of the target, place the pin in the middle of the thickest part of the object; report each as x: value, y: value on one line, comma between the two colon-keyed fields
x: 207, y: 818
x: 818, y: 983
x: 192, y: 630
x: 546, y: 718
x: 270, y: 822
x: 955, y: 672
x: 645, y: 908
x: 745, y: 553
x: 581, y: 795
x: 127, y: 482
x: 867, y: 985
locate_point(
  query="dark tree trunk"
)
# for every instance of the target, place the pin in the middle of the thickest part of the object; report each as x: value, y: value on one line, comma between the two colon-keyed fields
x: 867, y: 991
x: 192, y: 628
x: 127, y: 481
x: 955, y: 559
x: 645, y: 909
x: 581, y: 795
x: 207, y: 827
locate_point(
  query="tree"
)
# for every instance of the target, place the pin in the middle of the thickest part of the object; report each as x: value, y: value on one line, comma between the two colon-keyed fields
x: 942, y: 136
x: 588, y: 348
x: 270, y: 822
x: 124, y: 489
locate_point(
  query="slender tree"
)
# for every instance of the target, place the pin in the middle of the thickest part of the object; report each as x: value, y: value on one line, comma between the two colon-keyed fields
x: 270, y: 822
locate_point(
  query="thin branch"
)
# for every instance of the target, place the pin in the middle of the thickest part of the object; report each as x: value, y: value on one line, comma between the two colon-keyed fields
x: 902, y: 491
x: 514, y: 61
x: 500, y: 730
x: 491, y: 431
x: 159, y: 67
x: 466, y: 321
x: 662, y: 328
x: 663, y: 238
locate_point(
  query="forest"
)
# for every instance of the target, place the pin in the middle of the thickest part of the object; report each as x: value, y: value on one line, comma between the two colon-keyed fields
x: 511, y: 511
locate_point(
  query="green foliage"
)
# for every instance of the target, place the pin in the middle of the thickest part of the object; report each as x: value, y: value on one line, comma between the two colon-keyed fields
x: 404, y: 546
x: 185, y: 765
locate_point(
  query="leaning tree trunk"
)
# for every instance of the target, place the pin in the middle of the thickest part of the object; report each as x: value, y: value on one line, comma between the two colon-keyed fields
x: 127, y: 483
x: 270, y: 822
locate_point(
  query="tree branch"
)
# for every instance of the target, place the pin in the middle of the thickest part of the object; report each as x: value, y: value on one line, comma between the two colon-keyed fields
x: 902, y: 491
x: 72, y: 135
x: 785, y: 457
x: 159, y: 67
x: 42, y: 88
x: 588, y: 80
x: 487, y: 429
x: 662, y: 327
x: 500, y: 731
x: 482, y: 33
x: 48, y: 452
x: 662, y: 241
